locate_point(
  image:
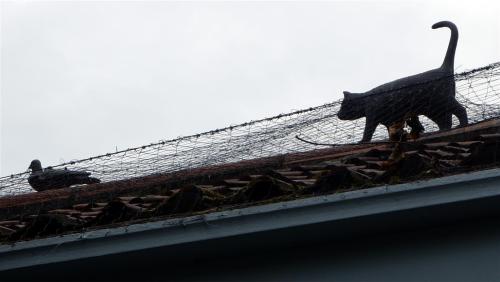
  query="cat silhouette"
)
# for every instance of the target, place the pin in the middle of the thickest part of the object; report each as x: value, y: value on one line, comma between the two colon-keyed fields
x: 431, y: 93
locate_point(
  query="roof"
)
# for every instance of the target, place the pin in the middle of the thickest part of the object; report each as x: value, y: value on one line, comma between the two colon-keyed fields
x: 256, y: 182
x: 449, y: 197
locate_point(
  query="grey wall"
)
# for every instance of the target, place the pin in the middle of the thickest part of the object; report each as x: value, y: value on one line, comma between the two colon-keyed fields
x: 458, y: 253
x: 465, y: 251
x: 444, y: 255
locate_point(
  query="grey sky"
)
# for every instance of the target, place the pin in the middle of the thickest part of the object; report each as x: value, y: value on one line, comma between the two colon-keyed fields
x: 83, y: 78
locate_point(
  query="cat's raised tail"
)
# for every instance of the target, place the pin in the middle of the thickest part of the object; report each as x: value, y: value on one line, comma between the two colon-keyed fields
x: 449, y: 59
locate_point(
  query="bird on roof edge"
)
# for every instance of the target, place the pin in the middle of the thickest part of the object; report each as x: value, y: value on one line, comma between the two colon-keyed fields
x: 46, y: 179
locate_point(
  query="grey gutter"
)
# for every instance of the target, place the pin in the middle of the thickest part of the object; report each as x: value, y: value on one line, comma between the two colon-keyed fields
x: 320, y: 209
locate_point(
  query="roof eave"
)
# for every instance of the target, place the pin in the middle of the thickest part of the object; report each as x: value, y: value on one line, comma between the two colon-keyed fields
x: 389, y: 199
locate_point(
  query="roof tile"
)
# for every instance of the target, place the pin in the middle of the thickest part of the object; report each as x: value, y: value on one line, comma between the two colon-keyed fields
x: 390, y: 163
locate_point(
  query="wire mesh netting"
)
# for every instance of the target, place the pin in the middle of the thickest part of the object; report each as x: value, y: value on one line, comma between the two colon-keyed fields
x: 477, y: 90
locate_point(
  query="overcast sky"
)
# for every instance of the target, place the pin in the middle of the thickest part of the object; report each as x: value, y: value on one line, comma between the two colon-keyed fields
x: 84, y: 78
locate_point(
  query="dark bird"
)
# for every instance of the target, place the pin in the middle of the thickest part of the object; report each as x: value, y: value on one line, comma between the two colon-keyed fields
x: 45, y: 179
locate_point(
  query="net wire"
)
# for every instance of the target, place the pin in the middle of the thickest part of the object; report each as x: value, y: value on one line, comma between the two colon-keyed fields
x: 477, y: 90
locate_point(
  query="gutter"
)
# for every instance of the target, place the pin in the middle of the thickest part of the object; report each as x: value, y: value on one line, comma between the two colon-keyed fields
x: 388, y: 199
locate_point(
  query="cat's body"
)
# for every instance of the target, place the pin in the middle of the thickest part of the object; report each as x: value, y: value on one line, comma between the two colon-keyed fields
x: 431, y: 93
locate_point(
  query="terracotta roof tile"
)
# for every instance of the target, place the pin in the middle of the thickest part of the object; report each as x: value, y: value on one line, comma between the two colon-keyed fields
x: 336, y: 171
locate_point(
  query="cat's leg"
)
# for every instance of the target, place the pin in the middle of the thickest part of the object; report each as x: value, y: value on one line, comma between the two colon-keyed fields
x: 415, y: 124
x: 459, y: 111
x: 443, y: 121
x: 370, y: 127
x: 416, y: 127
x: 396, y: 131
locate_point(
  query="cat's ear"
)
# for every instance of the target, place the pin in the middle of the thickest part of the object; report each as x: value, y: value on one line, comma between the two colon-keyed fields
x: 348, y: 95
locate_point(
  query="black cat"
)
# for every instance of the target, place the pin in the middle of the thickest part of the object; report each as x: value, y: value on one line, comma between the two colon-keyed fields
x: 431, y: 94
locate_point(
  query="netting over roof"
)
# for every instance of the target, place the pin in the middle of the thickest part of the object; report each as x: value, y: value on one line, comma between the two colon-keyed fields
x: 477, y: 90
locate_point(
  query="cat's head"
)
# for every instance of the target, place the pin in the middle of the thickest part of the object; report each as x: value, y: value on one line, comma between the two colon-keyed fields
x: 352, y: 107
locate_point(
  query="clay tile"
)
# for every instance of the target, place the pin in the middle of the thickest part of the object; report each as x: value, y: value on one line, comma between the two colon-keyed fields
x: 116, y: 211
x: 5, y: 231
x: 186, y: 200
x: 263, y: 188
x: 330, y: 181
